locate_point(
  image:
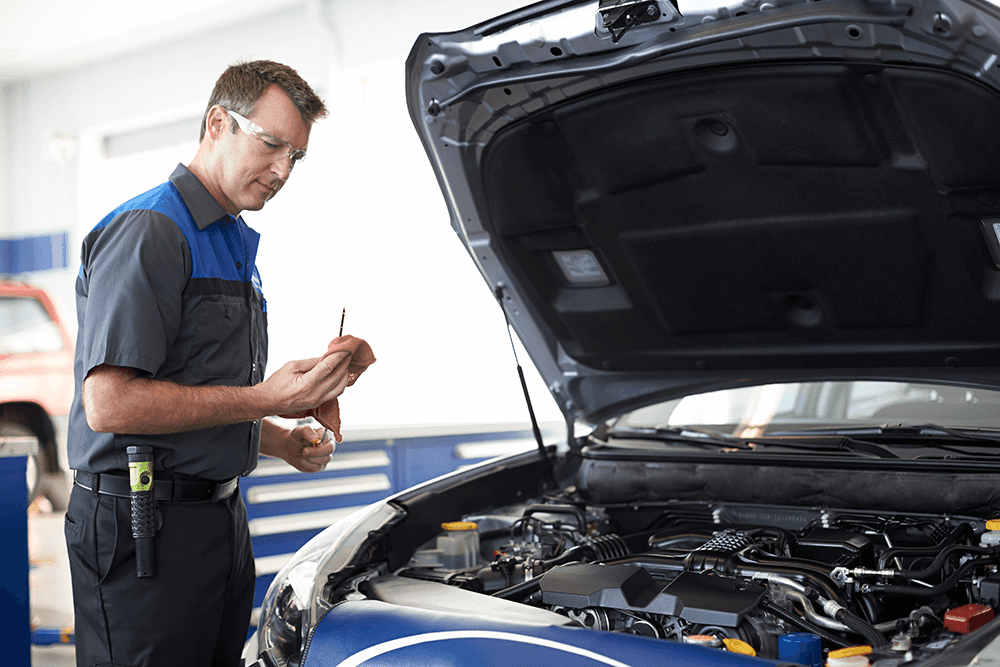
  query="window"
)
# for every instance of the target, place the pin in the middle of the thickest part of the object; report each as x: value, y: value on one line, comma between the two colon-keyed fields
x: 25, y: 327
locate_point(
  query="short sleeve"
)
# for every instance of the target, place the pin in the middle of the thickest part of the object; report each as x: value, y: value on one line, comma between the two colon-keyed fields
x: 134, y: 273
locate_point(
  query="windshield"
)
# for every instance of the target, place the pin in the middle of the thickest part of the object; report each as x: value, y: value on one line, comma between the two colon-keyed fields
x: 753, y: 411
x: 26, y: 327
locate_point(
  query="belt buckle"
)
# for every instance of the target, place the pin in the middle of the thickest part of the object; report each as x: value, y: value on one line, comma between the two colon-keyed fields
x: 224, y: 489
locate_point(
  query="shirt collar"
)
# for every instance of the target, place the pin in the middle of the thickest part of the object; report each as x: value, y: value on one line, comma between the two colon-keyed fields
x: 203, y: 207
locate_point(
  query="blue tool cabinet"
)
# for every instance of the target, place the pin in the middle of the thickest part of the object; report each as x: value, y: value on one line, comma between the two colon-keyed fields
x: 14, y: 602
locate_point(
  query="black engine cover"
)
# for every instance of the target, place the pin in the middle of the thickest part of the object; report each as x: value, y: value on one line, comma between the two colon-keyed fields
x: 698, y: 598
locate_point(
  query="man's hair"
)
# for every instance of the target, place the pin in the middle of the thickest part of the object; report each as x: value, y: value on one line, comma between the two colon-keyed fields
x: 242, y: 84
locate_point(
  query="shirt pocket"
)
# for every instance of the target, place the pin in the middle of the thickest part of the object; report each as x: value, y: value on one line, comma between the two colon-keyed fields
x: 220, y: 340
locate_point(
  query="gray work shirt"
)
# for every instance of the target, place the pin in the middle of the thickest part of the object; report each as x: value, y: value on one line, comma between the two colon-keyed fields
x: 168, y: 285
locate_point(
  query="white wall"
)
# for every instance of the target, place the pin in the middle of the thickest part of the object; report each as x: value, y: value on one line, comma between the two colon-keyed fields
x: 361, y: 224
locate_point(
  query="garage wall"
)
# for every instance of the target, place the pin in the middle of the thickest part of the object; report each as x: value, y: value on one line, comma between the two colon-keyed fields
x: 42, y: 188
x: 361, y: 225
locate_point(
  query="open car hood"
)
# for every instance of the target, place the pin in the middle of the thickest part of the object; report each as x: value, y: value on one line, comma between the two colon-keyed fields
x: 674, y: 201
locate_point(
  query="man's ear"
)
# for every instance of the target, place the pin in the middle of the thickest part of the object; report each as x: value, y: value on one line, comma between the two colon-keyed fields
x: 216, y: 122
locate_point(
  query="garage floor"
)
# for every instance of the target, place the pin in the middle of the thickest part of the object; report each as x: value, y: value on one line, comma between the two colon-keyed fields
x: 49, y: 585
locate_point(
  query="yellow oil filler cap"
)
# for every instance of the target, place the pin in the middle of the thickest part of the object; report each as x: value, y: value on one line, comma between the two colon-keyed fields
x: 738, y: 646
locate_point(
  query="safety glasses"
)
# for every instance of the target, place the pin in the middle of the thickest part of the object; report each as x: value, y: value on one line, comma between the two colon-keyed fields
x: 274, y: 147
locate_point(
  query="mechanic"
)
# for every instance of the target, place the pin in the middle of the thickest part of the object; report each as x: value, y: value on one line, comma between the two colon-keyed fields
x: 170, y: 354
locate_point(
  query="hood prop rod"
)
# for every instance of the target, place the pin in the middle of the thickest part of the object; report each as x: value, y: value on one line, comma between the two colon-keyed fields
x: 550, y: 479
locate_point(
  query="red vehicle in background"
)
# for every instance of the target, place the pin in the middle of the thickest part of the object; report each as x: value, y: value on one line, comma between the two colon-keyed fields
x: 36, y: 384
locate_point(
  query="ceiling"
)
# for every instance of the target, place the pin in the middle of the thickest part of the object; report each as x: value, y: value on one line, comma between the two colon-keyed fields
x: 42, y: 36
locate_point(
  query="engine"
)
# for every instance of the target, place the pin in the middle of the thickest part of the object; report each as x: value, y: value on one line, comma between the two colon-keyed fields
x: 738, y: 577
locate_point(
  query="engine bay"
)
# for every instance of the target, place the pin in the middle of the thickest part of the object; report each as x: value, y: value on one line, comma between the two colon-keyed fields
x: 674, y: 550
x: 736, y: 577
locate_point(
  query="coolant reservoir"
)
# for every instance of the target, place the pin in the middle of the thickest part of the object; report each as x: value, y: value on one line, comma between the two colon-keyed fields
x: 459, y: 546
x: 848, y: 661
x: 991, y: 537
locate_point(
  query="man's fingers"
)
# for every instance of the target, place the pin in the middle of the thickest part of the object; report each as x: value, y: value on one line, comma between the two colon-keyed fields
x: 302, y: 365
x: 318, y: 452
x: 330, y: 364
x: 331, y: 375
x: 309, y: 383
x: 336, y: 389
x: 314, y: 459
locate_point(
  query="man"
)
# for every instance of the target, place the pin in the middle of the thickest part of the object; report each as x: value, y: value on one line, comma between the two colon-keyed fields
x: 170, y: 354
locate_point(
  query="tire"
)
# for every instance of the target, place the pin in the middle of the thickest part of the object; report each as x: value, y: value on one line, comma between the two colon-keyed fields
x: 33, y: 474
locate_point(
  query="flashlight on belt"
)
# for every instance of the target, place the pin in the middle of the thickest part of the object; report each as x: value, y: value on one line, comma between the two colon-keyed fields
x: 140, y: 475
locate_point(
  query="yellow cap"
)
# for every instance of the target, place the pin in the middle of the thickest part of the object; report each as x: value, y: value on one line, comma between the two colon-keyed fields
x: 739, y: 646
x: 849, y: 651
x: 460, y: 525
x: 993, y: 524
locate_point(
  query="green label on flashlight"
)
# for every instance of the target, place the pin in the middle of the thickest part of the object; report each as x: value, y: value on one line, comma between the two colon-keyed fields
x: 140, y: 475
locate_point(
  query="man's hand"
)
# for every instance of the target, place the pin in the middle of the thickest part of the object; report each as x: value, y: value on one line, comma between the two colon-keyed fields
x: 295, y: 446
x: 306, y: 383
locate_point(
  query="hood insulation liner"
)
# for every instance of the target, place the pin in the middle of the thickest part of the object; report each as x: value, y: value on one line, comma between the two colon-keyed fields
x: 788, y: 216
x: 622, y: 481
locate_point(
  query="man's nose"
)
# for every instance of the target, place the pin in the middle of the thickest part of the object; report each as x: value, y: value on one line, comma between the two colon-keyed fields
x: 282, y: 167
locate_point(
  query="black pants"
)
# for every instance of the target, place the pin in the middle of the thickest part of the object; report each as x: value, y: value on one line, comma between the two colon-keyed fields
x: 194, y: 611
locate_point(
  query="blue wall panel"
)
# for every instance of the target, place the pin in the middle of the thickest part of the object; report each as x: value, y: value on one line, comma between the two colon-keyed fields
x: 33, y: 253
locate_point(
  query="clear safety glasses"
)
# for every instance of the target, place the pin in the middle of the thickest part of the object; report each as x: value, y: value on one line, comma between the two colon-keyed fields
x: 275, y: 147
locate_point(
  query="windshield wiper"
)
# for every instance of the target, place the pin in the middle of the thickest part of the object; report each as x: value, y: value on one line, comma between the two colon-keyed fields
x: 688, y: 434
x: 863, y: 440
x: 692, y: 435
x: 919, y: 431
x: 918, y: 434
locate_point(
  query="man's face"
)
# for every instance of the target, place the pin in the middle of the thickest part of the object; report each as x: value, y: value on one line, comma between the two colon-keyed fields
x: 253, y: 168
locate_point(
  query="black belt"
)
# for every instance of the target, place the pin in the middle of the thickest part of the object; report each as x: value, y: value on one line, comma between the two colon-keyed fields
x: 173, y: 488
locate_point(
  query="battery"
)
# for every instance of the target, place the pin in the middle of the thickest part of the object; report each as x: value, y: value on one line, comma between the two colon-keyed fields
x: 967, y: 618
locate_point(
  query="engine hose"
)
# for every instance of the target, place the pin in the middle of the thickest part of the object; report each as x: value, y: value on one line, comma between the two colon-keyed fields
x: 932, y: 591
x: 810, y: 614
x: 674, y: 539
x: 778, y: 537
x: 920, y: 616
x: 521, y: 590
x: 816, y: 577
x: 962, y: 530
x: 571, y: 510
x: 802, y: 623
x: 942, y: 556
x: 813, y: 575
x: 607, y: 547
x: 869, y: 604
x: 660, y: 541
x: 603, y: 548
x: 863, y: 628
x: 573, y: 555
x: 652, y: 562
